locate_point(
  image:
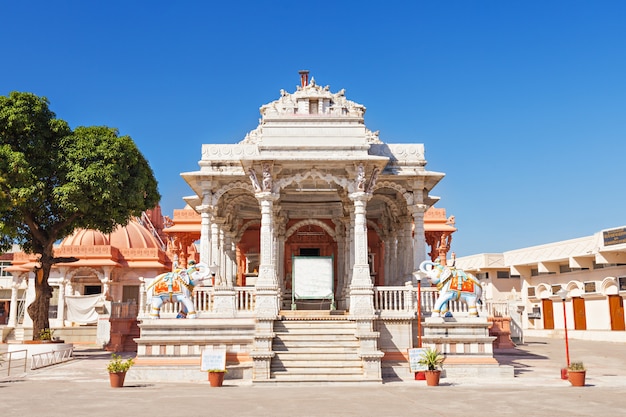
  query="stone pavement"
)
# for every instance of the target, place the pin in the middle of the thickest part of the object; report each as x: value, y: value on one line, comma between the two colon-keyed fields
x: 81, y: 388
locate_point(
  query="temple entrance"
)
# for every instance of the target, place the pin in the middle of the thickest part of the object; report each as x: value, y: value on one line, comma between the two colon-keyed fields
x: 310, y: 279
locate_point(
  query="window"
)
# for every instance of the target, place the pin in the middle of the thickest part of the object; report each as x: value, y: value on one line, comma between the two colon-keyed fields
x: 564, y: 268
x: 3, y: 265
x: 93, y: 289
x: 309, y: 251
x: 503, y: 274
x: 313, y: 106
x: 130, y: 292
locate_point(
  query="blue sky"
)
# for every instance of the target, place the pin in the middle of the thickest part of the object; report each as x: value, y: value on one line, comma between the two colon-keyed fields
x: 521, y: 103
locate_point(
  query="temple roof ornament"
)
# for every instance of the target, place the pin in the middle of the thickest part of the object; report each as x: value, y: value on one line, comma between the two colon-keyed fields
x: 315, y: 103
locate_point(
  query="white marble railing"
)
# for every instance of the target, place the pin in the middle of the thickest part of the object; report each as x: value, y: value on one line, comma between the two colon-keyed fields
x: 393, y: 299
x: 203, y: 299
x: 387, y: 301
x: 498, y: 308
x: 398, y: 300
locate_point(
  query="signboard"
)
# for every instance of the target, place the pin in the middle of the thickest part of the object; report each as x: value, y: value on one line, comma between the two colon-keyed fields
x: 312, y: 277
x: 414, y: 357
x: 614, y: 236
x: 213, y: 360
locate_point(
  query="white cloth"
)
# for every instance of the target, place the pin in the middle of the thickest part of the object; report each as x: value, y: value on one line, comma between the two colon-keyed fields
x: 82, y: 308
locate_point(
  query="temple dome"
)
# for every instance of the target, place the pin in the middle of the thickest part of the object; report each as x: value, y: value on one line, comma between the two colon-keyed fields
x: 132, y: 236
x: 86, y: 237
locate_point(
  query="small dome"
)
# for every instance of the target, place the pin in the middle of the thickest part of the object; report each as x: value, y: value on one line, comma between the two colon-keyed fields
x: 86, y: 237
x: 132, y: 236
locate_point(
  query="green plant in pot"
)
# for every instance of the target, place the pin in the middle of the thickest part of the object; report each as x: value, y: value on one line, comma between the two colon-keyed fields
x: 46, y: 334
x: 576, y: 373
x: 117, y: 368
x: 432, y: 359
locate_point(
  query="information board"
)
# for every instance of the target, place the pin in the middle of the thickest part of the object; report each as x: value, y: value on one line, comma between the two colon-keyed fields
x: 312, y: 277
x: 213, y: 360
x: 414, y: 356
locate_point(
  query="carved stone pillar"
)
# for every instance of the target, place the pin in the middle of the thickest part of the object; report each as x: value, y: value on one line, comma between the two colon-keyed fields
x: 267, y: 292
x: 61, y: 305
x: 361, y: 287
x: 106, y: 280
x: 142, y: 298
x: 215, y: 250
x: 407, y: 253
x: 267, y: 281
x: 205, y: 234
x: 387, y: 261
x: 419, y: 235
x: 15, y: 285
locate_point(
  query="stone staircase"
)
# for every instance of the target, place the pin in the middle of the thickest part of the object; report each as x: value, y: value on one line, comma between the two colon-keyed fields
x: 315, y: 347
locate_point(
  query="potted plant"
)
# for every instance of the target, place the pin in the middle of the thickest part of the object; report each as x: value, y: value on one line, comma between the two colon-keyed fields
x: 216, y: 377
x: 576, y: 373
x: 117, y: 368
x: 45, y: 335
x: 433, y: 360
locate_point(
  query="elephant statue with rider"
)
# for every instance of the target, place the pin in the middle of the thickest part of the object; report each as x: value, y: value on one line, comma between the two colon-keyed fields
x: 453, y: 285
x: 176, y: 286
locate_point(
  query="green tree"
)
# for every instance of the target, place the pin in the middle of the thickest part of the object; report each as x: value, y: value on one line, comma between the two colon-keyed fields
x: 54, y: 180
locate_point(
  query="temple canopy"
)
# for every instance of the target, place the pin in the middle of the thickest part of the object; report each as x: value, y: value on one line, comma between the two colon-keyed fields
x: 311, y: 179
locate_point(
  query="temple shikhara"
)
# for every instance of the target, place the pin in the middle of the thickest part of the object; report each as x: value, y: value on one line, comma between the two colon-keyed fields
x: 301, y: 246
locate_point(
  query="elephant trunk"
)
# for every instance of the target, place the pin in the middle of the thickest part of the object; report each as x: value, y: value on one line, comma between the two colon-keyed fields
x: 424, y: 264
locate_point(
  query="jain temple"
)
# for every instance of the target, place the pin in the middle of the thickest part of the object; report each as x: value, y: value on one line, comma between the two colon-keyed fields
x: 309, y: 235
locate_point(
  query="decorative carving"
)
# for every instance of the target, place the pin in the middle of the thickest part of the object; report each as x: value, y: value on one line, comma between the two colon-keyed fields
x: 372, y: 137
x: 255, y: 180
x: 336, y: 104
x: 312, y: 222
x: 360, y: 178
x: 267, y: 177
x: 372, y: 181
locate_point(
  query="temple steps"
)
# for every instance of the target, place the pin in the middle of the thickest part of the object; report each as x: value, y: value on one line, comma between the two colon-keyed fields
x: 315, y: 349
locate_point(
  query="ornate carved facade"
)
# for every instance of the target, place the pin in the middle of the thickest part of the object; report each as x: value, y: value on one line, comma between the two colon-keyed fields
x: 311, y: 179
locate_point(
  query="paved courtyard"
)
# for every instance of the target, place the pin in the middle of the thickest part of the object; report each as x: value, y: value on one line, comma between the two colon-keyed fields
x: 81, y: 388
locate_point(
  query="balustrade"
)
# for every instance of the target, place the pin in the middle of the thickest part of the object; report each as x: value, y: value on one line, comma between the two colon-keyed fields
x: 387, y: 300
x: 394, y: 300
x: 203, y: 299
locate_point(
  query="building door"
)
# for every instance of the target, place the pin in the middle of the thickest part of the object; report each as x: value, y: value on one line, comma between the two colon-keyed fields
x: 580, y: 316
x: 548, y: 314
x: 616, y: 308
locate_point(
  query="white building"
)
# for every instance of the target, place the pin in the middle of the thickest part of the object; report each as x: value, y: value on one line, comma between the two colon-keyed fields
x: 591, y: 269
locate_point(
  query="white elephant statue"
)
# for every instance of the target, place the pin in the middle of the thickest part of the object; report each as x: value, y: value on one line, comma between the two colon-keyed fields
x: 177, y: 286
x: 453, y: 284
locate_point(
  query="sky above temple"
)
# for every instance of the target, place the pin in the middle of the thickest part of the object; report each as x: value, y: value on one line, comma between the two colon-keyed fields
x: 522, y: 104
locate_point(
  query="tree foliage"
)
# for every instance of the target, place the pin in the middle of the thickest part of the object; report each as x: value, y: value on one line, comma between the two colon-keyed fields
x: 54, y: 180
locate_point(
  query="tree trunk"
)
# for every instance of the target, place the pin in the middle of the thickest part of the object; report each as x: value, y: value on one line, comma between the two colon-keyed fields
x: 38, y: 310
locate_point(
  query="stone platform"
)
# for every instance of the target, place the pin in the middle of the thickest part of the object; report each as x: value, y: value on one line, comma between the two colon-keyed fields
x: 467, y: 346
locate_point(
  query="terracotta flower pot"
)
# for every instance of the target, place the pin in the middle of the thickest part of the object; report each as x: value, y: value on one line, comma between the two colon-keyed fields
x: 216, y: 379
x: 576, y: 378
x: 432, y: 378
x: 117, y: 379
